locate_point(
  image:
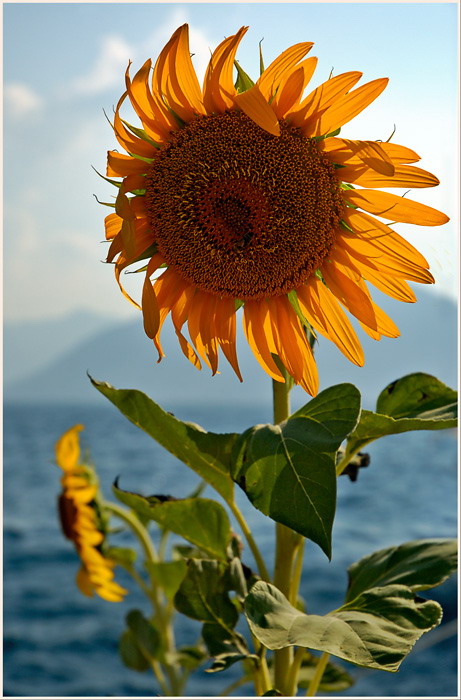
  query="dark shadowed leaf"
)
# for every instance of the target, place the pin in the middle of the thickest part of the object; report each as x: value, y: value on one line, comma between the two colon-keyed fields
x: 377, y: 629
x: 204, y: 593
x: 208, y: 454
x: 288, y: 470
x: 130, y: 652
x: 420, y: 564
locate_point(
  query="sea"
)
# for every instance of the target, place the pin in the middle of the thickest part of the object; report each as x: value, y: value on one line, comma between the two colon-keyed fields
x: 58, y: 643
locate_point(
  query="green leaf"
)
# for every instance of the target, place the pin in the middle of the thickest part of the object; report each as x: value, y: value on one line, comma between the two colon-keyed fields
x: 204, y: 593
x: 288, y: 470
x: 140, y: 643
x: 334, y: 678
x: 124, y: 556
x: 415, y: 402
x: 415, y: 396
x: 208, y: 454
x: 377, y: 629
x: 243, y: 82
x: 190, y: 657
x: 201, y: 521
x: 168, y: 575
x: 131, y: 654
x: 420, y: 564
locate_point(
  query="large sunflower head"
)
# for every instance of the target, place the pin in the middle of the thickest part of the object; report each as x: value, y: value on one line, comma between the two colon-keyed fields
x: 243, y: 194
x: 81, y: 520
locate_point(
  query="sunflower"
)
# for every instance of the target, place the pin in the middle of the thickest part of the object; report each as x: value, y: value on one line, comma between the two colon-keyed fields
x: 80, y: 520
x: 244, y: 195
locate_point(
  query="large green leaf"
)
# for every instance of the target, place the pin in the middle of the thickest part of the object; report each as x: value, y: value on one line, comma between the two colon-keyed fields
x: 208, y: 454
x: 377, y: 629
x: 199, y: 520
x: 167, y: 575
x: 415, y: 402
x: 288, y: 470
x: 420, y: 564
x: 204, y: 593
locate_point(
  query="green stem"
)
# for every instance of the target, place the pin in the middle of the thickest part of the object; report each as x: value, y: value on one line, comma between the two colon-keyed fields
x: 233, y: 686
x: 158, y: 673
x: 297, y: 573
x: 292, y: 680
x: 286, y: 540
x: 251, y: 542
x: 319, y: 671
x: 137, y: 527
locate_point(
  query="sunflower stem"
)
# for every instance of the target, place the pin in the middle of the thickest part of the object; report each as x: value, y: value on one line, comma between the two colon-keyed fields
x: 319, y: 671
x: 137, y: 527
x: 287, y: 541
x: 251, y: 542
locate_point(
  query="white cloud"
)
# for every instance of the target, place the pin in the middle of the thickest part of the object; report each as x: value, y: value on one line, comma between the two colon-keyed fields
x: 21, y: 100
x: 109, y: 65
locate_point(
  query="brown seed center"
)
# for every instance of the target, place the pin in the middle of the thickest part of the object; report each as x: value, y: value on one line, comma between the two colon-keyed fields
x: 239, y: 212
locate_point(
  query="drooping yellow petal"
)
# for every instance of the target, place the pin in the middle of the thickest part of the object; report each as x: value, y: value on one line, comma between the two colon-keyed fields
x: 292, y: 345
x: 179, y: 315
x: 84, y: 583
x: 150, y: 310
x: 199, y: 315
x: 68, y: 449
x: 218, y: 87
x: 225, y: 327
x: 395, y: 208
x: 258, y: 109
x: 119, y: 165
x: 269, y: 81
x: 346, y: 287
x: 323, y: 312
x: 112, y: 225
x: 255, y: 314
x: 346, y: 108
x: 143, y: 104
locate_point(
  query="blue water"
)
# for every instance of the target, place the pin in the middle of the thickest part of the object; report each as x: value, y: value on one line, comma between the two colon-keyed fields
x: 59, y: 643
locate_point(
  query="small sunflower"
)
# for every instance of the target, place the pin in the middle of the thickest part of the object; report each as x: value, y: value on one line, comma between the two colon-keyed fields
x: 80, y: 520
x: 244, y: 195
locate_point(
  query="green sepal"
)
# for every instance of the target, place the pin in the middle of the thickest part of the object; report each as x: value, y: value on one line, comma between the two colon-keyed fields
x: 140, y: 133
x: 243, y: 82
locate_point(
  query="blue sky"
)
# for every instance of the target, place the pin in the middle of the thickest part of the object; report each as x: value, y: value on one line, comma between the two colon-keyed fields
x: 64, y: 63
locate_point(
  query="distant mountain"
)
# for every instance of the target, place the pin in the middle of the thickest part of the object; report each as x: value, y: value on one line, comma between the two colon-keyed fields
x: 124, y: 357
x: 33, y: 345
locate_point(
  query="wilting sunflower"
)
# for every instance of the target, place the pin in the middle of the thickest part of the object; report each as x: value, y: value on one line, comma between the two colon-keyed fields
x: 245, y: 196
x: 80, y: 520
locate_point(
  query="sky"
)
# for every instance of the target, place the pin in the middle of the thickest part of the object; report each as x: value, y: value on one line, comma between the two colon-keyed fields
x: 64, y: 65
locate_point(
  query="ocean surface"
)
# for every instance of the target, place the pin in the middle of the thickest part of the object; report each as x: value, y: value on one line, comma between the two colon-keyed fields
x: 59, y: 643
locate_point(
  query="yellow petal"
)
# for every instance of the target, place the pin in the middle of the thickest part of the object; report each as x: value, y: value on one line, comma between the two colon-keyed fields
x: 320, y: 99
x: 112, y: 225
x: 257, y: 108
x: 184, y: 97
x: 132, y: 144
x: 390, y: 206
x: 271, y: 77
x: 83, y: 582
x: 292, y: 88
x: 404, y: 176
x: 218, y: 86
x: 119, y: 165
x: 68, y: 449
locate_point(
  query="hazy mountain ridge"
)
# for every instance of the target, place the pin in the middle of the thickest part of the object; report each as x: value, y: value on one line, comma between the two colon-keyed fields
x: 123, y: 356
